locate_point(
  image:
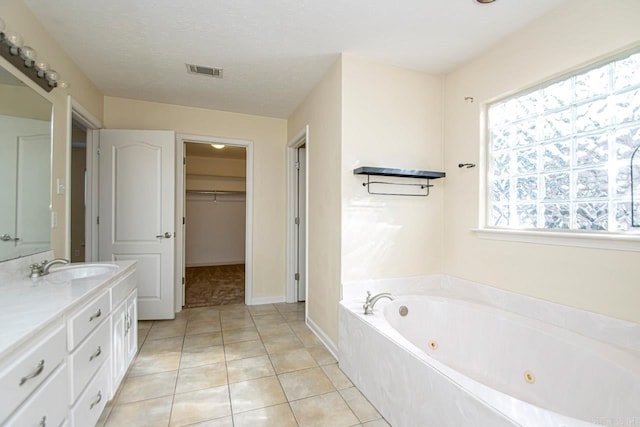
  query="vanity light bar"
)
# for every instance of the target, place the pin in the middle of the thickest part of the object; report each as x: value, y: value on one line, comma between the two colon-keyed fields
x: 25, y: 58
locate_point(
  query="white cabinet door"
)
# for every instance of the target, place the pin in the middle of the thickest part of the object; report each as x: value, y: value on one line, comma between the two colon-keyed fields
x: 118, y: 364
x: 131, y: 335
x: 137, y: 208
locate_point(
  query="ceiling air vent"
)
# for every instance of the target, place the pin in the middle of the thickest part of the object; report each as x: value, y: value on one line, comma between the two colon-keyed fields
x: 204, y: 71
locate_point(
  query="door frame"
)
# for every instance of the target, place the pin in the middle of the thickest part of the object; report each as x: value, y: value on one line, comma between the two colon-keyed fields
x: 302, y: 138
x: 181, y: 139
x: 76, y: 111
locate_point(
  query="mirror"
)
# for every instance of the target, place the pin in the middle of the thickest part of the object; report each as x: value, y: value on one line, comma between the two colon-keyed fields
x: 25, y: 169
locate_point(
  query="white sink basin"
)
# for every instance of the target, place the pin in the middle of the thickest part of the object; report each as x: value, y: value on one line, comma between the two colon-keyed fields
x: 80, y: 271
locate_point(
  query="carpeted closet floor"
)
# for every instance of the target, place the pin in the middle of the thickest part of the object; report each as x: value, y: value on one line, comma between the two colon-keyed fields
x: 214, y: 285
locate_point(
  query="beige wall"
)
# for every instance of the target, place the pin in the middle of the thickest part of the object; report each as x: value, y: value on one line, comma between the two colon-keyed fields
x: 19, y: 18
x: 604, y: 281
x: 269, y: 141
x: 392, y: 117
x: 364, y: 113
x: 23, y: 101
x: 321, y: 110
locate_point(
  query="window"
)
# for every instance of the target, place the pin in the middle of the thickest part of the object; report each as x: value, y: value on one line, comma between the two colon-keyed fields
x: 559, y: 157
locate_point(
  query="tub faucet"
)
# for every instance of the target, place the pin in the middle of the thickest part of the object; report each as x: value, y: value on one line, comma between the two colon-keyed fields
x: 372, y: 300
x: 38, y: 270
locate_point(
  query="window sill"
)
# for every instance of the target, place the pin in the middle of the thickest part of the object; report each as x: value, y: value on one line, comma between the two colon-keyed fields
x: 621, y: 242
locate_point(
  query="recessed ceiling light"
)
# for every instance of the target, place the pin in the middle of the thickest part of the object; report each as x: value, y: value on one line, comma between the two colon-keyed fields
x: 485, y: 1
x: 218, y: 146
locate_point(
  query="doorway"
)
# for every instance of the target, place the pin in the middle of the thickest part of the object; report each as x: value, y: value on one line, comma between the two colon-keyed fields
x: 297, y: 188
x: 215, y: 206
x: 78, y: 191
x: 215, y: 258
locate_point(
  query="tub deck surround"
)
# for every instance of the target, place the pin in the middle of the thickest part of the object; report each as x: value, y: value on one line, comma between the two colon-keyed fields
x: 28, y: 305
x: 414, y: 373
x: 620, y: 333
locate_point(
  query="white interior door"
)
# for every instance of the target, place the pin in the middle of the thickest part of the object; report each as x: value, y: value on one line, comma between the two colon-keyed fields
x: 302, y: 223
x: 137, y: 203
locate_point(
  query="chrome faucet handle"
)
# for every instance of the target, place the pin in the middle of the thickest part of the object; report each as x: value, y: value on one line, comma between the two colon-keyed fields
x: 36, y: 269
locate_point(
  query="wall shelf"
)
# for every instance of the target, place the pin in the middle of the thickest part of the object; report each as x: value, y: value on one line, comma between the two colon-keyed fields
x: 399, y: 173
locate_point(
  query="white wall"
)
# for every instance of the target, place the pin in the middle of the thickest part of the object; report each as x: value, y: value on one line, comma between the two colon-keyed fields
x: 604, y: 281
x: 215, y: 230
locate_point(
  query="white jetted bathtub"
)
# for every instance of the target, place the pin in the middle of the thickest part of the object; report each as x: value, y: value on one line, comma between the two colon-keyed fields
x: 443, y: 358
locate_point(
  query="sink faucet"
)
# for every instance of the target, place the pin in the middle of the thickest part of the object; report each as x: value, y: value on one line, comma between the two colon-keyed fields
x: 372, y: 300
x: 42, y: 269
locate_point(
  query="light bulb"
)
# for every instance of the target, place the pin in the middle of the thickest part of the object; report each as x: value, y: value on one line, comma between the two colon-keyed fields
x: 52, y: 77
x: 218, y: 146
x: 42, y: 68
x: 29, y: 55
x: 64, y: 85
x: 15, y: 41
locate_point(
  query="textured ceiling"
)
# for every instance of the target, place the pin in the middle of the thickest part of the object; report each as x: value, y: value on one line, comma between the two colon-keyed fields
x: 272, y: 52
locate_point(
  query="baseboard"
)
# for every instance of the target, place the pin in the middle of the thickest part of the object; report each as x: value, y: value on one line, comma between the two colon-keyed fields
x: 214, y: 263
x: 328, y: 343
x: 266, y: 300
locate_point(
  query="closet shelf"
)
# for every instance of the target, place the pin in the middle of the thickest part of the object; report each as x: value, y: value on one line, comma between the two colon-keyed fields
x: 400, y: 173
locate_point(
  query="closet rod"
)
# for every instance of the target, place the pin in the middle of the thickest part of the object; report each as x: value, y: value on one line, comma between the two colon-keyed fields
x: 204, y: 192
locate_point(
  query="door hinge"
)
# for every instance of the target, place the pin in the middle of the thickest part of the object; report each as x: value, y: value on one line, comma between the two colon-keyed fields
x: 296, y: 276
x: 297, y: 220
x: 297, y: 165
x: 97, y: 220
x: 184, y: 160
x: 183, y: 280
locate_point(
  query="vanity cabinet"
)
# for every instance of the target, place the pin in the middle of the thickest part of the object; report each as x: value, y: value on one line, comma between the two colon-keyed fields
x: 67, y: 369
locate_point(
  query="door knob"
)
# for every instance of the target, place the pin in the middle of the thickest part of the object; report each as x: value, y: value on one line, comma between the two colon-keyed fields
x: 7, y: 238
x: 166, y: 235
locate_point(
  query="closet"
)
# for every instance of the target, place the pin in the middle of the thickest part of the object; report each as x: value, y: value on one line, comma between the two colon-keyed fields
x: 215, y: 221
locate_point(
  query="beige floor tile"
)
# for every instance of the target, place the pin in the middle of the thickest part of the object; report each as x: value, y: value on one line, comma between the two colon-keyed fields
x: 255, y: 394
x: 292, y: 361
x: 182, y: 315
x: 239, y: 323
x: 273, y: 416
x: 324, y: 410
x: 269, y: 319
x: 274, y: 330
x: 308, y: 338
x: 193, y: 342
x: 280, y: 344
x: 201, y: 405
x: 359, y: 404
x: 336, y: 376
x: 239, y: 335
x: 203, y: 313
x: 235, y: 314
x: 242, y: 350
x: 218, y: 422
x: 147, y: 387
x: 259, y: 310
x: 305, y: 383
x: 298, y: 326
x: 167, y: 329
x: 157, y: 356
x: 144, y: 325
x: 284, y: 307
x: 202, y: 356
x: 201, y: 377
x: 146, y: 413
x: 249, y: 369
x: 377, y: 423
x: 322, y: 355
x: 202, y: 326
x: 294, y: 315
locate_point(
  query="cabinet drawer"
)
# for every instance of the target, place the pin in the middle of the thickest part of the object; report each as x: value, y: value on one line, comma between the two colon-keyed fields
x: 48, y: 405
x: 84, y: 321
x: 89, y: 406
x: 120, y: 290
x: 86, y: 360
x: 22, y: 377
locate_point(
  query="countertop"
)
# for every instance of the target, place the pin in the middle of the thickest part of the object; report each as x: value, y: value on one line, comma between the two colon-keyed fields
x: 28, y: 306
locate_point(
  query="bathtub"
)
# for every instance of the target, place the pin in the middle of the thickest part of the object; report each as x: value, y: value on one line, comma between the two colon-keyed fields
x: 453, y: 361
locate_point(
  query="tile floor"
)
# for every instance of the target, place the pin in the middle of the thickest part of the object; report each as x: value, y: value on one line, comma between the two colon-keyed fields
x: 236, y: 366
